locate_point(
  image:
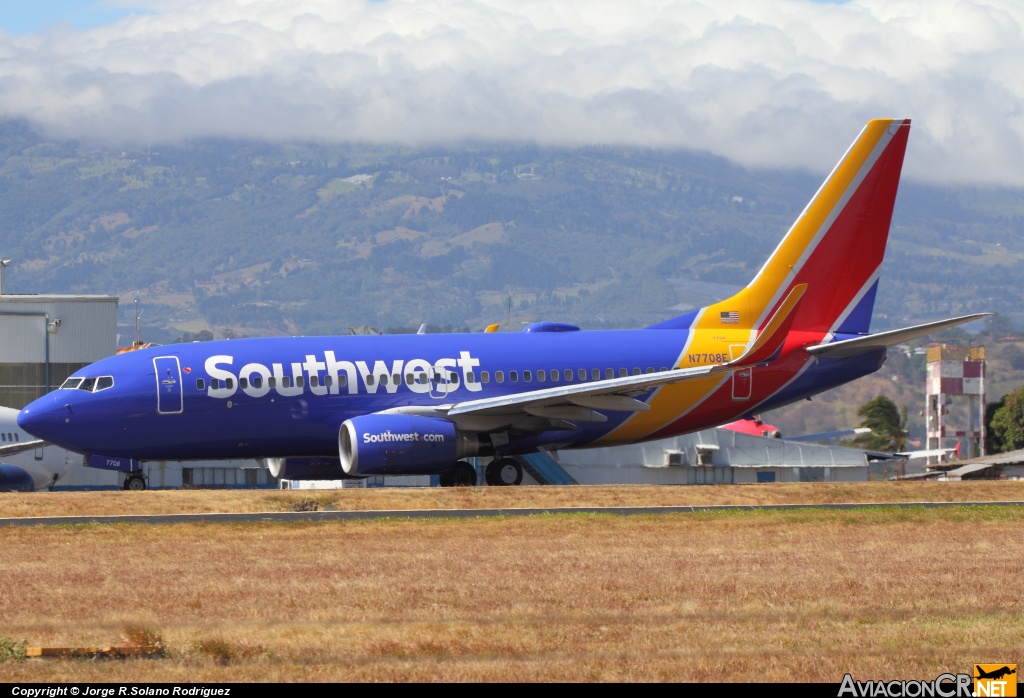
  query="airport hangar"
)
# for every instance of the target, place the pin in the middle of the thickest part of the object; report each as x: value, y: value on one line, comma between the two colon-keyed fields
x: 46, y: 338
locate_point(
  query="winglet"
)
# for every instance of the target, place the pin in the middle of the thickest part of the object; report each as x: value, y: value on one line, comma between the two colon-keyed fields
x: 770, y: 340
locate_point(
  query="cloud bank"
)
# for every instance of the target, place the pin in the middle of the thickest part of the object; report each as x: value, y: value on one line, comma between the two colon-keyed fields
x: 762, y: 82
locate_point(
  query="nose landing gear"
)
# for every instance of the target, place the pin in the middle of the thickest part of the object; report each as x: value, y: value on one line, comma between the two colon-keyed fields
x: 135, y: 482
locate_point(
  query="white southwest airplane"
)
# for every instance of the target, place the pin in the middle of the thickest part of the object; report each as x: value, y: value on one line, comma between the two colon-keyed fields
x: 28, y: 463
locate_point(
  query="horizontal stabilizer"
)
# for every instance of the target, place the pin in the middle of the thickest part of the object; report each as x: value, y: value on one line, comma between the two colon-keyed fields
x: 864, y: 345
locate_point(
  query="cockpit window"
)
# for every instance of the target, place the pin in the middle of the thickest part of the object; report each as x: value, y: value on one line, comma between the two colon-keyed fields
x: 104, y: 382
x: 87, y: 385
x: 70, y: 384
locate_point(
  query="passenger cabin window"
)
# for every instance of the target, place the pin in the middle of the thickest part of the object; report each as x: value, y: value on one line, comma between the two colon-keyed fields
x: 453, y: 378
x: 527, y: 376
x: 314, y: 381
x: 272, y: 382
x: 384, y: 379
x: 200, y: 384
x: 664, y: 368
x: 623, y: 372
x: 300, y: 381
x: 542, y: 375
x: 609, y: 373
x: 582, y: 374
x: 636, y: 371
x: 513, y: 376
x: 104, y: 382
x: 342, y: 380
x: 328, y: 380
x: 485, y: 376
x: 369, y: 379
x: 255, y: 381
x: 650, y: 370
x: 499, y: 376
x: 286, y: 381
x: 230, y: 383
x: 595, y: 374
x: 243, y: 383
x: 568, y: 374
x: 70, y: 384
x: 471, y: 377
x: 87, y: 385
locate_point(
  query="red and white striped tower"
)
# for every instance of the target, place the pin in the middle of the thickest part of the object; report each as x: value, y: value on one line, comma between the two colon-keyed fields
x: 956, y: 372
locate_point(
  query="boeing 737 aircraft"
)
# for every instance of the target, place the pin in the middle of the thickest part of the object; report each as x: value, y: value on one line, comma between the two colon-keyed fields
x: 418, y: 404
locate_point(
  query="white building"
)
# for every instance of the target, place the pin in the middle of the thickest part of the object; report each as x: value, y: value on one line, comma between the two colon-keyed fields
x: 716, y: 456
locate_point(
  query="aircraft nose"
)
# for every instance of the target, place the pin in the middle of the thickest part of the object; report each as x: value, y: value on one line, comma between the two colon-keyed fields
x: 39, y: 417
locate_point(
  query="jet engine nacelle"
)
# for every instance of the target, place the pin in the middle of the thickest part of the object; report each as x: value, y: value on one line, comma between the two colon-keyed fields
x: 401, y: 444
x: 15, y: 479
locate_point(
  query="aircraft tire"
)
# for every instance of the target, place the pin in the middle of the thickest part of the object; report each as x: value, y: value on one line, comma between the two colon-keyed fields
x: 464, y: 474
x: 504, y: 472
x: 135, y: 482
x: 446, y: 479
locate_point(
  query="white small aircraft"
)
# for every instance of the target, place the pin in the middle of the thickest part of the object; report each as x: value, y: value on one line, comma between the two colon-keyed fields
x: 28, y: 463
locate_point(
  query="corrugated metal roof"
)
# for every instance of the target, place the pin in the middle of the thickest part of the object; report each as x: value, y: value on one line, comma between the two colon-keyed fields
x: 972, y: 468
x: 733, y: 449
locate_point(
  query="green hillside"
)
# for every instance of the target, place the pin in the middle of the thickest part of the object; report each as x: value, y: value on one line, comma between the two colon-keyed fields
x: 267, y: 238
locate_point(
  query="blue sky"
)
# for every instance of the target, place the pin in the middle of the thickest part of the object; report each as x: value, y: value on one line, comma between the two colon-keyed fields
x: 20, y: 17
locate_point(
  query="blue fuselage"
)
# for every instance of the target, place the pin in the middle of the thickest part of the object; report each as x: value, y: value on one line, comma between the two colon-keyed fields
x: 277, y: 397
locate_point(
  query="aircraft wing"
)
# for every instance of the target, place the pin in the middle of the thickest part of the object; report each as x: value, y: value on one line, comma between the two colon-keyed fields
x: 926, y: 453
x: 578, y: 401
x: 11, y: 449
x: 822, y: 435
x: 862, y: 345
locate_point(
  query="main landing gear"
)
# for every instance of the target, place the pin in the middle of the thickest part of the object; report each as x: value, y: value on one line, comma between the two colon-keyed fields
x: 135, y: 482
x: 504, y: 472
x: 463, y: 475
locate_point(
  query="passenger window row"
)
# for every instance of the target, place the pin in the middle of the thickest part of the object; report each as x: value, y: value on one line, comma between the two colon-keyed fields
x: 564, y: 374
x: 9, y: 437
x: 286, y: 382
x: 421, y: 378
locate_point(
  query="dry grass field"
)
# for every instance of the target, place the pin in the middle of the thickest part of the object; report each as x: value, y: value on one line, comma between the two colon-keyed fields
x: 766, y: 595
x: 205, y: 501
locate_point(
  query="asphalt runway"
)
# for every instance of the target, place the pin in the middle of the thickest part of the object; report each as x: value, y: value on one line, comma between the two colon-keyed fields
x: 288, y: 516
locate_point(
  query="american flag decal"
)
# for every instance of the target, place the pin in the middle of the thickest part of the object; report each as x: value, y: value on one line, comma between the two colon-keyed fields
x: 730, y: 316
